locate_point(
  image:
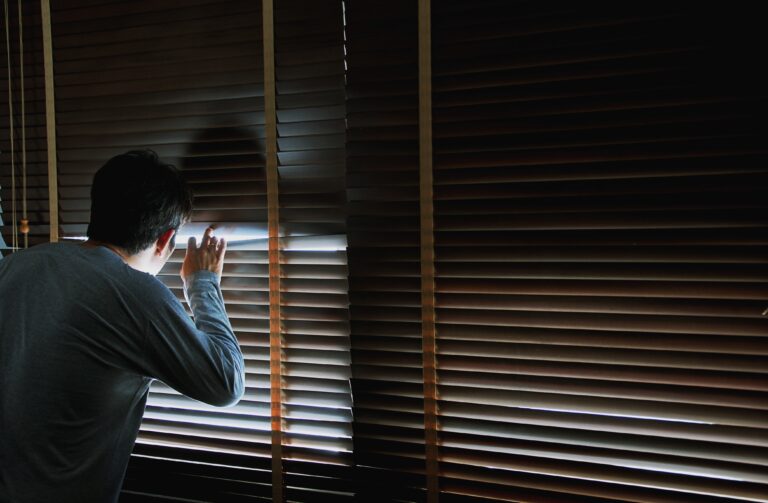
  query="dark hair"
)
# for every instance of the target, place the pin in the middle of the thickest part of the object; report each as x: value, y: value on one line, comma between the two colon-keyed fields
x: 135, y: 198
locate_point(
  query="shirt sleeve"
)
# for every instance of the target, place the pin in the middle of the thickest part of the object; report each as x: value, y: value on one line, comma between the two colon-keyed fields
x: 200, y: 359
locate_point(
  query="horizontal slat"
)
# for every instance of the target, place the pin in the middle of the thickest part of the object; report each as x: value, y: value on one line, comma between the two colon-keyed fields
x: 621, y: 475
x: 257, y: 447
x: 496, y: 485
x: 459, y: 456
x: 190, y: 19
x: 539, y: 359
x: 460, y: 433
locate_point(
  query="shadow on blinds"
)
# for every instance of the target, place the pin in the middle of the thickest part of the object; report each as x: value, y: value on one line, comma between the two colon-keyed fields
x: 224, y: 165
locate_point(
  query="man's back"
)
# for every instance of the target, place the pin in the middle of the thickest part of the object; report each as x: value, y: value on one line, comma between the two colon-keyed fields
x: 79, y: 332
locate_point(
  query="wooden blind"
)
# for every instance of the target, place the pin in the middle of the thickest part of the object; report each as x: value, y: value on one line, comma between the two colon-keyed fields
x: 600, y: 203
x: 600, y: 196
x: 309, y: 72
x: 28, y: 123
x: 383, y: 193
x: 186, y: 79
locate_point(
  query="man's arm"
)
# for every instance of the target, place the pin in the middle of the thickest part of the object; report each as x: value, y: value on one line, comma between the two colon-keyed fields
x: 202, y: 359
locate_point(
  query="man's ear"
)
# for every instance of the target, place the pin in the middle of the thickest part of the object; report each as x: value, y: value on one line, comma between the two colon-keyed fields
x: 164, y: 241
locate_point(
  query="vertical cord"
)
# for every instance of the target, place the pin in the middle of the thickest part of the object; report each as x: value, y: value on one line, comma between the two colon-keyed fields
x: 50, y: 121
x: 15, y: 236
x: 273, y: 215
x: 427, y: 226
x: 25, y: 219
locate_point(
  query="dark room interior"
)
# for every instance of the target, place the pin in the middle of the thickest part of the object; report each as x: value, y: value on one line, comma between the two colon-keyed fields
x: 480, y: 250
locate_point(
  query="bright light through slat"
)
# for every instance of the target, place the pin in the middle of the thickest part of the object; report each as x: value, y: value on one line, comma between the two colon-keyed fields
x: 632, y: 416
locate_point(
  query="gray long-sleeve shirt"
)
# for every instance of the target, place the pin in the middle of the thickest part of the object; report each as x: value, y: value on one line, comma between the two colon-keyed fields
x: 82, y: 335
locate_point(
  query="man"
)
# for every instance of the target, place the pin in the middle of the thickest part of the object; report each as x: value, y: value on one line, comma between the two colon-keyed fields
x: 85, y: 328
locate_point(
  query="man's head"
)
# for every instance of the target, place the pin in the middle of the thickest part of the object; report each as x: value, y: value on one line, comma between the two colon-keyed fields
x: 135, y: 200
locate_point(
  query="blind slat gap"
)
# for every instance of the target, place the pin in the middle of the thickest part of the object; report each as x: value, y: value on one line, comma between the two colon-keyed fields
x: 429, y: 348
x: 273, y: 215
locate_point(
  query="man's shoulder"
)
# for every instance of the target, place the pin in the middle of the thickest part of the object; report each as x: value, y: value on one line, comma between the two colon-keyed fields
x: 43, y: 248
x: 29, y: 256
x: 152, y: 292
x: 147, y: 283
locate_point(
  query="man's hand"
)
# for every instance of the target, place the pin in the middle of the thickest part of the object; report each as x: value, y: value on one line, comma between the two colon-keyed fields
x: 208, y: 257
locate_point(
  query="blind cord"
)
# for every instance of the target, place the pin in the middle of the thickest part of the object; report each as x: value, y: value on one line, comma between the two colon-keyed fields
x: 14, y: 237
x: 24, y: 228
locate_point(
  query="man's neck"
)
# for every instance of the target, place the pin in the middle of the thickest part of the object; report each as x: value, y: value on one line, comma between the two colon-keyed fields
x: 93, y: 243
x: 141, y: 261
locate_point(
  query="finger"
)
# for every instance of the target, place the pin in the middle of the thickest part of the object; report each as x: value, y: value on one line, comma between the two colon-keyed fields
x: 191, y: 243
x: 221, y: 249
x: 206, y: 237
